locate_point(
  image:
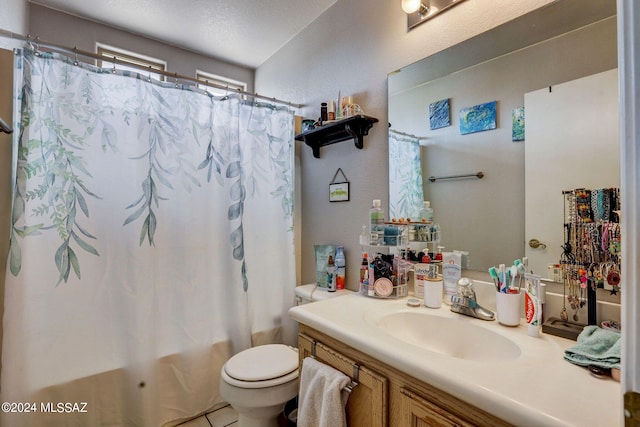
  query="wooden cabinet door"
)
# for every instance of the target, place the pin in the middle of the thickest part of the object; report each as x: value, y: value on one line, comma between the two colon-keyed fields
x: 367, y: 404
x: 419, y: 412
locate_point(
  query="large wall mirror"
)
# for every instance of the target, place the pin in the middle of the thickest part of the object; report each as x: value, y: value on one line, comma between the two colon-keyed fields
x: 565, y: 41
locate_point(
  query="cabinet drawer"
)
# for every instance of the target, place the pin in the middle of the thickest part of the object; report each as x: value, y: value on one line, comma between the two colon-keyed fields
x: 419, y: 412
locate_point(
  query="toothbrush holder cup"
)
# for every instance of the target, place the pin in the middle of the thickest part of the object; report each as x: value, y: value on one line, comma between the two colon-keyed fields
x: 508, y: 308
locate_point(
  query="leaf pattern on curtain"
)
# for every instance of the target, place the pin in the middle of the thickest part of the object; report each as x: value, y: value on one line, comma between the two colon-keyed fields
x: 54, y: 159
x: 405, y: 177
x: 165, y: 156
x: 55, y: 163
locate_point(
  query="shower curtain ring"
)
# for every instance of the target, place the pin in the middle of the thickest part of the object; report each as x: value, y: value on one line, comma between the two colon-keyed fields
x: 114, y: 65
x: 29, y: 42
x: 36, y: 51
x: 176, y: 77
x: 149, y: 76
x: 226, y: 93
x: 75, y: 51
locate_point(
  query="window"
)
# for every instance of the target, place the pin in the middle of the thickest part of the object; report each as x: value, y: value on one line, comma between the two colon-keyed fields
x: 135, y: 59
x: 233, y: 85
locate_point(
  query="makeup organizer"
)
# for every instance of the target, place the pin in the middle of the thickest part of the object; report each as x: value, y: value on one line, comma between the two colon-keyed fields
x: 590, y: 258
x: 392, y: 260
x: 387, y: 277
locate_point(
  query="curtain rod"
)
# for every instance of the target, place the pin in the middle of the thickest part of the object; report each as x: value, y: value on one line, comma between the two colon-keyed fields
x: 75, y: 51
x: 421, y: 138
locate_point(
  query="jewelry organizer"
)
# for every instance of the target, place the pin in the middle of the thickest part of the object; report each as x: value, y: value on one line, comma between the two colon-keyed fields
x: 591, y: 253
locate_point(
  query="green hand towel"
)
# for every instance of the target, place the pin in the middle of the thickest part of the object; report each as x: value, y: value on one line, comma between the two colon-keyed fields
x: 596, y: 346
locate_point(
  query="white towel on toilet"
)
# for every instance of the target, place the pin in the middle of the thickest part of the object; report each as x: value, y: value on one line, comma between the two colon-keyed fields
x: 322, y: 396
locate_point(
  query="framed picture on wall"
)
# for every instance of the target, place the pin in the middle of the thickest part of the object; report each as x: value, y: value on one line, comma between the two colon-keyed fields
x: 339, y: 191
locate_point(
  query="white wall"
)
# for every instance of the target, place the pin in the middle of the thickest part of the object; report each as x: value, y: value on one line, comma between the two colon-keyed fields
x: 351, y: 48
x: 13, y: 18
x: 68, y: 30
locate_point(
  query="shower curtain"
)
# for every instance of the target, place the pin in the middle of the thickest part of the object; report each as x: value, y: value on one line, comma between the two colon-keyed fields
x: 405, y: 176
x: 152, y: 239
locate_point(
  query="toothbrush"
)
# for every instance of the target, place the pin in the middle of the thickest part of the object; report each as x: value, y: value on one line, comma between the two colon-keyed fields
x: 503, y: 277
x: 494, y: 275
x: 519, y: 267
x: 514, y: 274
x: 522, y: 269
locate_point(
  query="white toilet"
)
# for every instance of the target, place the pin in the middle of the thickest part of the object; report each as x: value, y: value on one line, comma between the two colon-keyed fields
x: 257, y: 382
x: 311, y: 293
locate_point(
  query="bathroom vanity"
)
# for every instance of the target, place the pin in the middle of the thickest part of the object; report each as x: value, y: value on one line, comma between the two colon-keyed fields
x: 418, y: 366
x: 386, y: 396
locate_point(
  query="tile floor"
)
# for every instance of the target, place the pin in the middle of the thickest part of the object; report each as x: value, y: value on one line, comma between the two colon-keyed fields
x: 223, y: 417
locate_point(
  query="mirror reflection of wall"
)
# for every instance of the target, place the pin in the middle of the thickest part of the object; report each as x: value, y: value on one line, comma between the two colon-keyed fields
x: 584, y: 110
x: 486, y: 216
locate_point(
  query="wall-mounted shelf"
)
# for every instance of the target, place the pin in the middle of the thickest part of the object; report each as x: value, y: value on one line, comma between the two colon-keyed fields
x: 355, y: 127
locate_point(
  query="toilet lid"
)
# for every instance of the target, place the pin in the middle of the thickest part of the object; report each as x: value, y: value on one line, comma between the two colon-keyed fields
x: 262, y: 363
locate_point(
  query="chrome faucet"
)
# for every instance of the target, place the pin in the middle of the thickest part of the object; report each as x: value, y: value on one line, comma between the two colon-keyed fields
x: 464, y: 302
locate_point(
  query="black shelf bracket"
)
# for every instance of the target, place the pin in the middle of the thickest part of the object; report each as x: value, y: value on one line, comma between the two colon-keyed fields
x: 355, y: 127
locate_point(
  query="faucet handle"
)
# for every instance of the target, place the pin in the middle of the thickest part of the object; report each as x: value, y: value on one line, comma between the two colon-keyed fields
x: 466, y: 289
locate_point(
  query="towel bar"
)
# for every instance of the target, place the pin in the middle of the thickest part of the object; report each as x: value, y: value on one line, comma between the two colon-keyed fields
x: 354, y: 379
x: 478, y: 175
x: 356, y: 369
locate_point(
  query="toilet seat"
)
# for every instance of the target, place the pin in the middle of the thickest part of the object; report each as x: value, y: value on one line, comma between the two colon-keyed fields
x: 262, y: 366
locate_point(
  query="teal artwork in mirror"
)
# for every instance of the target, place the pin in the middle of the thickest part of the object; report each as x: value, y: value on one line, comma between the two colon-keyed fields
x: 517, y: 124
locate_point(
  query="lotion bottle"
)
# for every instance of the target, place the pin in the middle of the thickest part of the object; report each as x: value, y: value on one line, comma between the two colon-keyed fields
x: 331, y: 111
x: 376, y: 223
x: 426, y: 213
x: 364, y: 274
x: 331, y: 275
x: 340, y: 262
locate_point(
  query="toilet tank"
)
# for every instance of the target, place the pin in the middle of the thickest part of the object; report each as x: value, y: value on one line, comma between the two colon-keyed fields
x: 310, y: 293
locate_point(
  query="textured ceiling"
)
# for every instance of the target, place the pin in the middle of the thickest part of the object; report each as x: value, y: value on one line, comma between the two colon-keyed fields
x: 245, y: 32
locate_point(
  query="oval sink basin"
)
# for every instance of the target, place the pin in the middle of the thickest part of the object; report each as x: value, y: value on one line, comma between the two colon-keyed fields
x: 453, y: 337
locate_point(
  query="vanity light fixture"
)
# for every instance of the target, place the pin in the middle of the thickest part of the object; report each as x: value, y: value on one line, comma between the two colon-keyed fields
x: 415, y: 6
x: 419, y: 11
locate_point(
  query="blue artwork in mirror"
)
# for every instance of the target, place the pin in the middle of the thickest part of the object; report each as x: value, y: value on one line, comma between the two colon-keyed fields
x: 478, y: 118
x: 439, y: 114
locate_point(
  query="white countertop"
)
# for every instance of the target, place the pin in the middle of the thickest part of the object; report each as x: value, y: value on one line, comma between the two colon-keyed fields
x: 538, y: 388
